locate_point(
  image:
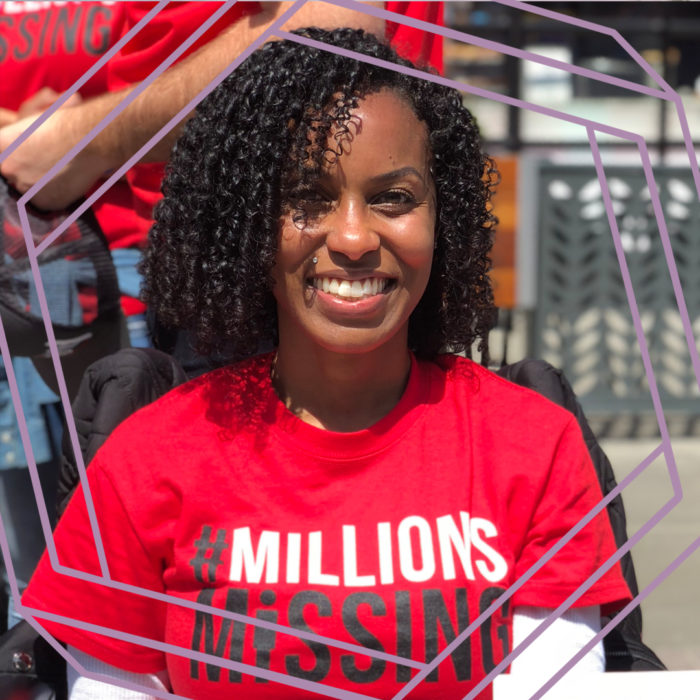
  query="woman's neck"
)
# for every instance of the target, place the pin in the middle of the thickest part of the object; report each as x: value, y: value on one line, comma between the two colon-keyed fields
x: 341, y: 392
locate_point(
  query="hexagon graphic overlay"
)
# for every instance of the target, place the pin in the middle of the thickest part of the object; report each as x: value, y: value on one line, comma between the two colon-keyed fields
x: 666, y: 93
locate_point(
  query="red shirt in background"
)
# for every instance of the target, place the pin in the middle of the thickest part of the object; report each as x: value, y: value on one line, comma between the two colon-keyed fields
x: 423, y: 48
x: 52, y: 44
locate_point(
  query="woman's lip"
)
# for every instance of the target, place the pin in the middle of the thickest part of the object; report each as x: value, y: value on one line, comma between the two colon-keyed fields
x: 364, y: 306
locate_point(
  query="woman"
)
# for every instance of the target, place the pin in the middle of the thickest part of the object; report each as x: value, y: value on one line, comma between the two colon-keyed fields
x: 352, y: 483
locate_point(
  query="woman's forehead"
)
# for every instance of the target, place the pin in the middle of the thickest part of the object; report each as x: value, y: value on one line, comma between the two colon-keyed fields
x: 384, y: 122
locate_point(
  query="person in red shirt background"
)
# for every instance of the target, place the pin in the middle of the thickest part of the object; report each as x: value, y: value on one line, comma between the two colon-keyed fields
x: 44, y: 48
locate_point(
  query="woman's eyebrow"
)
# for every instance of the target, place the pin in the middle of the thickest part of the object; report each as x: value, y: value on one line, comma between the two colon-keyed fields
x: 397, y: 174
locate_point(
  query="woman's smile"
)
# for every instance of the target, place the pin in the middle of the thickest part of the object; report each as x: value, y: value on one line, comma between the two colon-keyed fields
x: 351, y: 290
x: 346, y: 300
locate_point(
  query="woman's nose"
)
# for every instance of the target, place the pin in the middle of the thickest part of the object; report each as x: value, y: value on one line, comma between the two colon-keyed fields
x: 351, y: 232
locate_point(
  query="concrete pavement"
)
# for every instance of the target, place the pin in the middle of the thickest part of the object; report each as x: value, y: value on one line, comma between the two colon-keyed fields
x: 671, y: 612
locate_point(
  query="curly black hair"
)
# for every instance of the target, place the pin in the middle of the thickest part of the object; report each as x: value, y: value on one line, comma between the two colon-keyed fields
x: 237, y: 165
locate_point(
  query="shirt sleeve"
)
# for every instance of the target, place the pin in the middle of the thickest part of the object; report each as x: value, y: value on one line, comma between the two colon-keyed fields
x: 569, y: 491
x: 88, y: 688
x: 556, y: 645
x: 100, y: 602
x: 421, y: 47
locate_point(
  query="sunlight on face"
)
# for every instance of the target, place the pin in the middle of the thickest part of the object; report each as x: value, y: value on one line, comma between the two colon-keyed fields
x: 369, y: 223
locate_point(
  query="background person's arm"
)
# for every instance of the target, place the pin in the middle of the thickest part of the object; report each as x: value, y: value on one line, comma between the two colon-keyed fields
x: 153, y: 108
x: 7, y: 116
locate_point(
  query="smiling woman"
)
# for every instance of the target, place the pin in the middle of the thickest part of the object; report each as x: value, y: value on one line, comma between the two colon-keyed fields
x: 357, y: 490
x: 354, y: 258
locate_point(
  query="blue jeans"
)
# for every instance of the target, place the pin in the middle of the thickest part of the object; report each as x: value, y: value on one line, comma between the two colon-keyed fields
x: 125, y: 261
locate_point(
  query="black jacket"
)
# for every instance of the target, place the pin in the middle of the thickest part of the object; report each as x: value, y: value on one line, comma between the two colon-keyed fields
x: 111, y: 390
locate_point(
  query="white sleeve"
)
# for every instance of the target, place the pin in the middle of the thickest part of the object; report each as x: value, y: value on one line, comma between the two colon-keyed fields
x: 83, y: 688
x: 556, y: 646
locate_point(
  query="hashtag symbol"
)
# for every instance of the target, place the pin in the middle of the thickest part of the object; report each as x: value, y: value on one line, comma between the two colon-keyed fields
x: 208, y: 554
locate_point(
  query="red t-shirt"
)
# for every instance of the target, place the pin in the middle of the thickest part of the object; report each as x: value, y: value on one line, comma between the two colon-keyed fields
x: 52, y: 44
x: 421, y: 47
x: 393, y: 538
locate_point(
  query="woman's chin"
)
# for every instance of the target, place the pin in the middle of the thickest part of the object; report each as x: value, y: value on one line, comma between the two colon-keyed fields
x: 348, y: 340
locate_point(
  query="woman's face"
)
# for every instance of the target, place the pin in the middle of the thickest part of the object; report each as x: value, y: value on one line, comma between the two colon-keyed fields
x: 370, y: 226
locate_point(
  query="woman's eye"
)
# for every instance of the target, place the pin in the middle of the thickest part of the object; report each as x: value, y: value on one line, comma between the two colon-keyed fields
x: 317, y: 200
x: 395, y: 201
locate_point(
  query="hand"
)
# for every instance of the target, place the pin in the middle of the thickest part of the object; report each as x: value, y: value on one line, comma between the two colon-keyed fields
x: 7, y: 116
x: 42, y: 150
x: 38, y: 102
x: 42, y: 100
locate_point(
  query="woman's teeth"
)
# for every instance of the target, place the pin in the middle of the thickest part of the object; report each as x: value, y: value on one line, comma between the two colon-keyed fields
x: 357, y: 289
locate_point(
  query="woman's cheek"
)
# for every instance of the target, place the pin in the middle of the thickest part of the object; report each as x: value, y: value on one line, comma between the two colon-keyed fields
x: 417, y: 242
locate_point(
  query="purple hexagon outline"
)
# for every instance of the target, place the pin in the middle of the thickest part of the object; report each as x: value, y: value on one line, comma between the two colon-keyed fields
x: 657, y: 209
